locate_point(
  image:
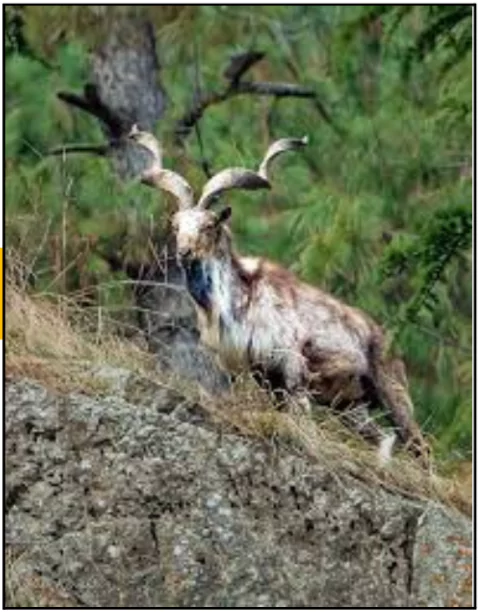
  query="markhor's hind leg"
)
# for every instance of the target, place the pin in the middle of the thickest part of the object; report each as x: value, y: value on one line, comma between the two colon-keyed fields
x: 358, y: 419
x: 393, y: 394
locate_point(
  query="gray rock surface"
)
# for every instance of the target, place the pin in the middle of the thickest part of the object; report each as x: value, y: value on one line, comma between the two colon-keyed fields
x: 119, y: 502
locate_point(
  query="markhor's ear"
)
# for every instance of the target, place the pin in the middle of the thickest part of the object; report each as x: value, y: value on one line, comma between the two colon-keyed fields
x: 224, y: 215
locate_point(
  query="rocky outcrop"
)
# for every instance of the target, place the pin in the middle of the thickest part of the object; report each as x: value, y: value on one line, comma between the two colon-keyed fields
x: 138, y: 500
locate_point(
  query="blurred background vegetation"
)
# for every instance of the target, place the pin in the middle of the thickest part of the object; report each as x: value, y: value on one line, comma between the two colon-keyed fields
x: 378, y: 210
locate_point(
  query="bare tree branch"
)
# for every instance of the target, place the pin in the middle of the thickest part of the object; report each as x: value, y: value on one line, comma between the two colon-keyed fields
x: 278, y: 90
x: 101, y: 150
x: 90, y: 103
x: 234, y: 72
x: 240, y: 63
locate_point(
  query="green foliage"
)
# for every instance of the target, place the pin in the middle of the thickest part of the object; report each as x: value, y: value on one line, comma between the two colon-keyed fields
x: 377, y: 210
x: 426, y: 258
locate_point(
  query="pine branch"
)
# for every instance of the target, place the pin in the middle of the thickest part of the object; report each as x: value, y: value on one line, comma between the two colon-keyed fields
x: 446, y: 237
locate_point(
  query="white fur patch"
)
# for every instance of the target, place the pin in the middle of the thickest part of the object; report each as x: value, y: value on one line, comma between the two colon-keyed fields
x: 250, y: 264
x: 189, y: 222
x: 221, y: 289
x: 385, y: 449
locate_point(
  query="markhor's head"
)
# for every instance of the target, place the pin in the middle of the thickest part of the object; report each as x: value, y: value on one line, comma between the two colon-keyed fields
x: 199, y: 232
x: 198, y: 229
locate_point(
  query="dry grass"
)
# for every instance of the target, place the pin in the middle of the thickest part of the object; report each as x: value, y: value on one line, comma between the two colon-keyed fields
x: 54, y: 342
x: 51, y: 341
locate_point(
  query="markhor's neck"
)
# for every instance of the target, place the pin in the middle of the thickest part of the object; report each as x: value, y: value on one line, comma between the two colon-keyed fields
x: 220, y: 283
x: 230, y: 285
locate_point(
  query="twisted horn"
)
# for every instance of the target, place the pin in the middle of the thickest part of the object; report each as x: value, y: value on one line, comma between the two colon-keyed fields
x: 230, y: 178
x: 278, y: 147
x: 159, y: 177
x: 241, y: 178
